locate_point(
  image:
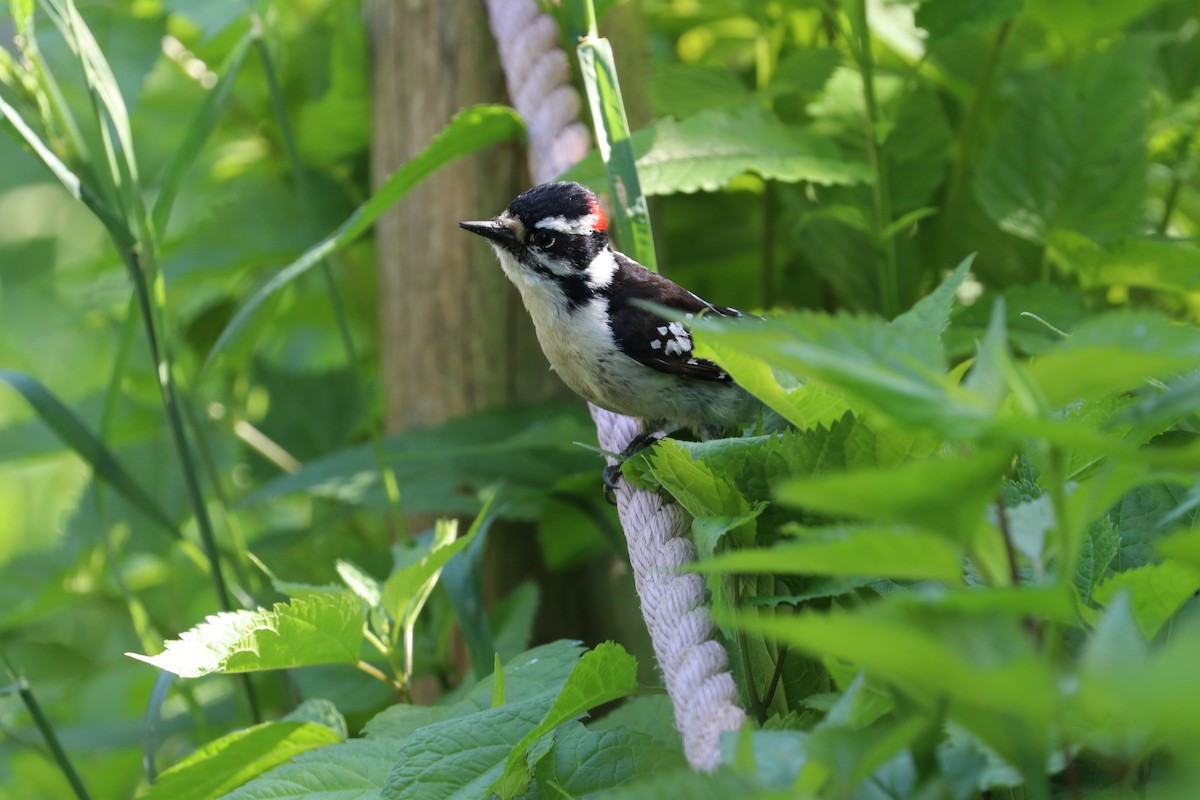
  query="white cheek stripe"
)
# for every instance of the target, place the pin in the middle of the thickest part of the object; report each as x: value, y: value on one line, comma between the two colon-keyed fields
x: 600, y: 272
x: 577, y: 226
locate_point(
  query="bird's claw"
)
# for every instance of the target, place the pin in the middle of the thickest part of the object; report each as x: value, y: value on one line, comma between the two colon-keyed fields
x: 612, y: 473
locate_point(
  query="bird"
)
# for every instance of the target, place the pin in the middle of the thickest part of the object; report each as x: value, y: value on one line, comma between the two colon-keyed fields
x: 586, y: 301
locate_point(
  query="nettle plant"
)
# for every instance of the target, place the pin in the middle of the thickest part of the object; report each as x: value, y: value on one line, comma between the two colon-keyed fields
x: 936, y: 581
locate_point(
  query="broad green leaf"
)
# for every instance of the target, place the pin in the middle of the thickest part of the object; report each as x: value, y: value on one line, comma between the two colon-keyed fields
x: 946, y: 19
x: 604, y: 674
x: 223, y: 765
x: 681, y: 90
x: 68, y: 427
x: 914, y: 493
x: 1085, y: 22
x: 932, y: 312
x: 1182, y: 546
x: 319, y: 711
x: 902, y: 377
x: 359, y: 582
x: 318, y: 629
x: 1166, y: 266
x: 460, y: 758
x: 686, y: 784
x: 1070, y: 155
x: 197, y: 132
x: 1155, y: 591
x: 406, y: 589
x: 472, y: 129
x: 708, y: 150
x: 1114, y: 352
x: 651, y: 714
x: 888, y: 552
x: 931, y: 653
x: 584, y: 761
x: 355, y: 769
x: 598, y: 71
x: 806, y: 405
x: 537, y: 673
x: 696, y: 487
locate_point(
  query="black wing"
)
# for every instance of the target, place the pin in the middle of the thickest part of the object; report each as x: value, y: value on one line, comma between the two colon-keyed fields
x: 647, y: 337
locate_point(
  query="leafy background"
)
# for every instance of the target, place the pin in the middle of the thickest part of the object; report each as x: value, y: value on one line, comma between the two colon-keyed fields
x: 1033, y: 420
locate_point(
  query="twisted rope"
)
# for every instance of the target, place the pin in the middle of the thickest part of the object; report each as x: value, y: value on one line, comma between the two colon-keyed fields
x: 695, y: 666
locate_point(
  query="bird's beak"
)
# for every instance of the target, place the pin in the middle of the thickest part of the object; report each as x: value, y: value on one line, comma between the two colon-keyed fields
x: 498, y: 232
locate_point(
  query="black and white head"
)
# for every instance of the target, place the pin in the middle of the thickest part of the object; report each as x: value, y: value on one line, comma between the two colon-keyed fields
x: 552, y: 238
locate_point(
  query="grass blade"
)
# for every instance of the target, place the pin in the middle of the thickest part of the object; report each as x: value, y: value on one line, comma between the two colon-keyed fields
x: 197, y: 132
x: 75, y: 435
x: 470, y: 130
x: 70, y: 181
x: 599, y: 72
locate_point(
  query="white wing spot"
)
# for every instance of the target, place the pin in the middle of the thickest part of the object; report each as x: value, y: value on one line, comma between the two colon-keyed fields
x: 677, y: 348
x: 663, y: 330
x: 656, y: 344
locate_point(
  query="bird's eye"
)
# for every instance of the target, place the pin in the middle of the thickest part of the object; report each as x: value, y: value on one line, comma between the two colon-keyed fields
x: 541, y: 238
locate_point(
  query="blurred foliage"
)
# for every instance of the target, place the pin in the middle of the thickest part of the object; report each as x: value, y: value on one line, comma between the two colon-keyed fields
x: 1034, y: 419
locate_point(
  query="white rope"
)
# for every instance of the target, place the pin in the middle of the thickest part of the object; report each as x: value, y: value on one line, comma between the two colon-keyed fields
x: 695, y: 666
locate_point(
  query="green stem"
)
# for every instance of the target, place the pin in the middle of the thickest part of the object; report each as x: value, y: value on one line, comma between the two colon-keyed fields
x: 1169, y: 206
x: 966, y: 142
x: 881, y: 194
x: 390, y: 485
x: 45, y: 728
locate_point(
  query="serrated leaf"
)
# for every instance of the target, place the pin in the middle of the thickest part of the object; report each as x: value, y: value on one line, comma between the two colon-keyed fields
x: 71, y: 430
x: 708, y: 150
x: 584, y: 761
x: 407, y: 588
x: 604, y: 674
x: 696, y: 487
x: 318, y: 629
x: 894, y: 553
x: 1156, y: 592
x: 460, y: 758
x: 225, y: 764
x: 932, y: 312
x: 355, y: 769
x: 1070, y: 154
x: 805, y: 405
x: 1114, y: 352
x: 471, y: 129
x: 913, y: 493
x: 901, y: 377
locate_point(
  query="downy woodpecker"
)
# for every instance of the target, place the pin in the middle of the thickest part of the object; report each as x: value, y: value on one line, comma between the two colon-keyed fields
x: 552, y: 242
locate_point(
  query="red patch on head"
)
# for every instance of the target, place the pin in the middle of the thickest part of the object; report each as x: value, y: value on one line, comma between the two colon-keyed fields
x: 601, y: 223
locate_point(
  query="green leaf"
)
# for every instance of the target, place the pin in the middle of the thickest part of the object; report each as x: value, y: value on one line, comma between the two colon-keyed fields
x: 598, y: 71
x: 359, y: 582
x: 198, y: 129
x: 407, y: 588
x: 708, y: 150
x: 75, y: 435
x: 946, y: 19
x: 226, y: 763
x: 932, y: 653
x: 932, y: 312
x: 601, y: 676
x: 1114, y: 352
x: 1165, y: 266
x: 1156, y: 592
x: 1182, y: 546
x: 901, y: 377
x: 914, y: 493
x: 1084, y: 22
x: 888, y: 552
x: 805, y: 405
x: 681, y: 90
x: 583, y: 761
x: 318, y: 629
x: 460, y: 758
x: 696, y: 487
x: 685, y: 784
x: 1070, y: 156
x: 471, y: 129
x: 355, y: 769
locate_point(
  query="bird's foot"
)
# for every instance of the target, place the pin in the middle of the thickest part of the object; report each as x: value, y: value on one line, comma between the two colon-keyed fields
x: 612, y: 474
